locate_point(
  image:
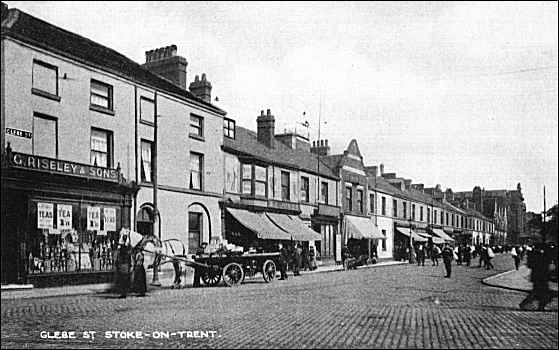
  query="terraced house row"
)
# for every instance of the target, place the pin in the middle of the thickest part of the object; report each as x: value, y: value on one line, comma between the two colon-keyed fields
x: 93, y: 142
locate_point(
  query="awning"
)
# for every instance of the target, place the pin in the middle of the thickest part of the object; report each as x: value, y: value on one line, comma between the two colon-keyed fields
x: 359, y: 227
x: 294, y: 226
x: 436, y: 240
x: 415, y: 236
x: 442, y: 234
x: 259, y: 224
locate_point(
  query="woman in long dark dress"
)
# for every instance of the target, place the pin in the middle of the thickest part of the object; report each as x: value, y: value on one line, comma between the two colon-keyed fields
x: 139, y: 283
x: 123, y: 267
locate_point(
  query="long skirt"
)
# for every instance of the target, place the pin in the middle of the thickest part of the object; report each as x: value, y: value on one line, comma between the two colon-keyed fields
x: 139, y: 283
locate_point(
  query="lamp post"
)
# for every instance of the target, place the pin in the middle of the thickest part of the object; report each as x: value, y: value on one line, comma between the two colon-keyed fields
x: 412, y: 251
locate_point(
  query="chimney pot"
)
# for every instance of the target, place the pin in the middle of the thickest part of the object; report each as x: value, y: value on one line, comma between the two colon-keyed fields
x: 381, y: 169
x: 161, y: 62
x: 326, y: 142
x: 268, y: 113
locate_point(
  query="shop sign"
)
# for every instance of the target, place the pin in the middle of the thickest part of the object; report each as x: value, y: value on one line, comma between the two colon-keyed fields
x: 19, y: 133
x: 93, y: 218
x: 64, y: 218
x: 27, y: 161
x: 45, y: 215
x: 109, y: 219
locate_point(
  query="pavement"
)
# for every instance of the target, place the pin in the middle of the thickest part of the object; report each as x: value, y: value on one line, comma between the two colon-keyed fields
x: 396, y: 306
x: 515, y: 280
x: 166, y: 278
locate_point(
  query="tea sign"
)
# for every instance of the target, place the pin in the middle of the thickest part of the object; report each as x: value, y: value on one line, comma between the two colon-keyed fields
x: 64, y: 219
x: 93, y: 218
x: 45, y: 215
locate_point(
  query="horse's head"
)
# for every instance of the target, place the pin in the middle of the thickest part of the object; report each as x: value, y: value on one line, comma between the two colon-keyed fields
x: 147, y: 239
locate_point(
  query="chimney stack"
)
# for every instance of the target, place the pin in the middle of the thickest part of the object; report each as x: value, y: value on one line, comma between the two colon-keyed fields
x: 201, y: 88
x: 381, y: 169
x: 321, y: 148
x: 407, y: 184
x: 265, y: 128
x: 165, y: 63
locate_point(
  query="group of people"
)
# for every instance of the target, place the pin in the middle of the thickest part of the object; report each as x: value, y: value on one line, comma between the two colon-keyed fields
x: 297, y: 258
x: 130, y: 271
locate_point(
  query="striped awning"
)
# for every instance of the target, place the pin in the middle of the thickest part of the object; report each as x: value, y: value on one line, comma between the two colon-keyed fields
x: 436, y: 239
x: 360, y: 227
x: 294, y: 226
x: 442, y: 234
x: 260, y: 224
x: 406, y: 232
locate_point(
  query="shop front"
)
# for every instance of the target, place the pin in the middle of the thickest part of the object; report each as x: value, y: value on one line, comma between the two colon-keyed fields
x: 60, y: 220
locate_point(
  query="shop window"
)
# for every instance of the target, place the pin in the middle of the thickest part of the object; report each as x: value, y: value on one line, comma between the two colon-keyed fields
x: 101, y: 148
x: 101, y: 95
x: 349, y: 198
x: 384, y: 241
x: 196, y: 126
x: 324, y: 192
x: 305, y: 189
x: 285, y: 185
x: 229, y: 128
x: 147, y: 110
x: 45, y: 136
x: 147, y: 164
x: 45, y: 79
x: 194, y: 232
x: 196, y: 171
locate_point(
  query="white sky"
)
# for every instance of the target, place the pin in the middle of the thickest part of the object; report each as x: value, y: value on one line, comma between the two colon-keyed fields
x: 458, y: 94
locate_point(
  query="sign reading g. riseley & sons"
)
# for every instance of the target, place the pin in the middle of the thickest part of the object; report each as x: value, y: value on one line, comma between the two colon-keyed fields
x: 27, y: 161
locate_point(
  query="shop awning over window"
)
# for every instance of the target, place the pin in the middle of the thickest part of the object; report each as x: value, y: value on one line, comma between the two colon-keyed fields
x: 259, y: 224
x: 436, y: 240
x: 442, y: 234
x: 415, y: 236
x: 359, y: 227
x: 294, y: 226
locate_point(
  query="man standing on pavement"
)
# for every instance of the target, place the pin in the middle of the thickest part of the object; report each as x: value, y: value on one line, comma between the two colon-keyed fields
x: 516, y: 256
x: 420, y: 255
x: 200, y: 251
x: 284, y: 257
x: 538, y: 261
x: 467, y: 255
x: 297, y: 265
x: 447, y: 259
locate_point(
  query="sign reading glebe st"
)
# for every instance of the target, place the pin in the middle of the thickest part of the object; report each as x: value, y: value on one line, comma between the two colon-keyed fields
x: 27, y: 161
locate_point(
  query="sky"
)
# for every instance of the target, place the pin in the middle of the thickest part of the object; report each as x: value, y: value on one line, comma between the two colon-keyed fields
x: 459, y: 94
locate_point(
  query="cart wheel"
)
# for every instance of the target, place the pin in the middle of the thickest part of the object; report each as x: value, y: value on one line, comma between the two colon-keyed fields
x: 269, y: 271
x: 211, y: 276
x: 233, y: 274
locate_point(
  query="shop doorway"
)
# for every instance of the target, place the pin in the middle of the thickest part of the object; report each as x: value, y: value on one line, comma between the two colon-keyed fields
x: 145, y: 220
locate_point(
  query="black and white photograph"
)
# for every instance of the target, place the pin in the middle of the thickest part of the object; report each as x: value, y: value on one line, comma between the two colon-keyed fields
x: 305, y: 175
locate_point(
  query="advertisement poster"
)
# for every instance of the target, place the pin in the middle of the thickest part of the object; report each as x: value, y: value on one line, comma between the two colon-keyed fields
x: 338, y: 247
x: 93, y: 218
x: 45, y: 215
x: 109, y: 219
x: 64, y: 217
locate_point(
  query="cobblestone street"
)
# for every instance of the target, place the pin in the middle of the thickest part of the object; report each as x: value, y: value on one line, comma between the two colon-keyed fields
x: 403, y: 306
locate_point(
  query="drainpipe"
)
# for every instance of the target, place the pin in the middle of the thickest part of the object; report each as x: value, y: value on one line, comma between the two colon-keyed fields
x: 155, y: 281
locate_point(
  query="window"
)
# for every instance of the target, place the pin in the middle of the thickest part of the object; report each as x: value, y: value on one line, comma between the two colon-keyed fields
x: 147, y: 110
x: 45, y: 136
x: 196, y: 167
x: 324, y: 192
x: 101, y: 95
x: 246, y: 186
x: 435, y: 216
x: 372, y: 202
x: 446, y: 221
x: 360, y: 200
x: 349, y: 198
x: 394, y: 208
x: 196, y: 126
x: 405, y: 209
x: 285, y: 186
x: 413, y: 211
x: 383, y: 241
x: 452, y: 218
x: 429, y: 215
x: 45, y: 79
x: 420, y: 213
x: 304, y: 189
x: 383, y: 200
x: 260, y: 182
x: 229, y: 128
x: 147, y: 167
x: 442, y: 218
x: 194, y: 231
x: 101, y: 148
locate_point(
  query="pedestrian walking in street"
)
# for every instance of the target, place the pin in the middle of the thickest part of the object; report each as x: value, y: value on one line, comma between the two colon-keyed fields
x: 435, y: 252
x: 447, y: 259
x: 283, y: 259
x: 123, y: 266
x: 305, y: 259
x: 538, y: 261
x: 516, y: 256
x: 490, y: 255
x: 312, y: 258
x: 297, y: 260
x: 467, y: 254
x: 420, y: 255
x: 139, y: 285
x: 482, y: 256
x: 345, y: 256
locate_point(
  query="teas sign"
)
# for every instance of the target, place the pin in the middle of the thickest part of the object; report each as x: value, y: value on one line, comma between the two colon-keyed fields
x: 109, y: 219
x: 64, y: 218
x: 45, y: 215
x: 93, y: 218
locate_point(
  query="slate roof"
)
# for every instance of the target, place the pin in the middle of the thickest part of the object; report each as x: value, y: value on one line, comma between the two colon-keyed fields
x: 34, y: 31
x: 246, y: 143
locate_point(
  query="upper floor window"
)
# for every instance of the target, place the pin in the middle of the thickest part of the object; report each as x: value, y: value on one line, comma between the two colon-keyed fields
x: 246, y: 179
x: 420, y: 213
x: 349, y: 198
x: 435, y: 216
x: 305, y: 189
x: 429, y: 215
x: 101, y: 95
x: 405, y: 210
x: 260, y: 180
x: 229, y: 128
x: 324, y: 192
x: 360, y: 200
x: 413, y: 211
x: 372, y: 202
x: 45, y: 136
x: 147, y: 110
x: 147, y: 165
x: 254, y: 180
x: 446, y: 220
x: 285, y: 195
x: 383, y: 203
x: 452, y: 219
x: 196, y: 171
x: 442, y: 218
x: 45, y: 79
x: 101, y: 148
x: 394, y: 208
x: 196, y: 126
